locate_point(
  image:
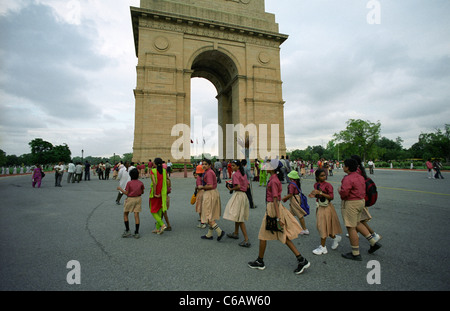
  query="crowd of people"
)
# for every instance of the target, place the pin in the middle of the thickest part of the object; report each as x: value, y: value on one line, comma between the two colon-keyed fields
x: 279, y: 223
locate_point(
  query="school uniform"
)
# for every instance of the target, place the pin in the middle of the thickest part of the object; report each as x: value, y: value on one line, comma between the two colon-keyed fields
x: 365, y: 214
x: 211, y: 206
x: 295, y: 202
x: 238, y: 207
x: 327, y: 220
x: 199, y: 196
x: 133, y: 202
x: 353, y: 191
x: 291, y: 226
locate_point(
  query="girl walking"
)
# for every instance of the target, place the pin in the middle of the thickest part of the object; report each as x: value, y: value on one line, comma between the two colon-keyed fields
x: 327, y: 219
x: 294, y: 198
x: 237, y: 209
x: 290, y: 228
x: 211, y: 208
x: 158, y: 195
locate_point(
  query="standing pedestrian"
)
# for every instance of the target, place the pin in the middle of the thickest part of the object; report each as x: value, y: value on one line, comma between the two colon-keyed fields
x: 70, y: 172
x: 437, y: 168
x: 133, y: 190
x: 158, y: 195
x: 124, y: 178
x: 327, y: 220
x: 37, y: 176
x: 100, y: 171
x: 78, y: 172
x: 59, y: 172
x: 107, y: 170
x: 87, y: 170
x: 211, y: 207
x: 290, y: 228
x: 218, y: 170
x: 429, y: 166
x: 237, y: 208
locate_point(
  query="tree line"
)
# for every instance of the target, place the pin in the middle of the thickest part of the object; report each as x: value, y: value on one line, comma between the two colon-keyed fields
x: 45, y: 153
x: 364, y: 138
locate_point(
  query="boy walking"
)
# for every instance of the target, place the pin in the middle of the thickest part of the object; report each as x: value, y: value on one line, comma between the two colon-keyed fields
x: 133, y: 190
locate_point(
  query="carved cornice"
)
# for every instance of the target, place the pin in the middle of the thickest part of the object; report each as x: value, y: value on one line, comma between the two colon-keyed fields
x: 196, y: 26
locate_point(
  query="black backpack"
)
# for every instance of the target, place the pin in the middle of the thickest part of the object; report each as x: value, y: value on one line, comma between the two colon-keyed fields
x: 371, y: 192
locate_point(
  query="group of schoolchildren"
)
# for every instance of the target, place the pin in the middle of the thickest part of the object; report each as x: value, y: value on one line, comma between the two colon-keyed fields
x: 208, y: 205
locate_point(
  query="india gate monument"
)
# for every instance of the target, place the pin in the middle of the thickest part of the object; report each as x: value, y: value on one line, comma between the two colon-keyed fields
x: 235, y: 45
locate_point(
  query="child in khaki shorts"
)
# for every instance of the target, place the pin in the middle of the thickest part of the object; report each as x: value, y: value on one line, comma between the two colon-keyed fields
x: 133, y: 191
x: 352, y: 192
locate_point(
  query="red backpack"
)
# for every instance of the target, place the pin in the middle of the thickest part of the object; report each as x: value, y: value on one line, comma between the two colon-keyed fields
x: 371, y: 192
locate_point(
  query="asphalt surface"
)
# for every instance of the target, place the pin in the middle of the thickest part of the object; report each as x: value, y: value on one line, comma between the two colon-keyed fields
x: 41, y: 230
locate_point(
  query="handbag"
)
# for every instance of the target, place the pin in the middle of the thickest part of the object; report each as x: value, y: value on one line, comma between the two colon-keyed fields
x: 193, y: 199
x: 272, y: 224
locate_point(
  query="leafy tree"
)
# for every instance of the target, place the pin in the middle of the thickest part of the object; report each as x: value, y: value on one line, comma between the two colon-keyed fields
x: 41, y: 151
x: 433, y: 145
x: 359, y: 138
x: 60, y: 153
x: 2, y: 158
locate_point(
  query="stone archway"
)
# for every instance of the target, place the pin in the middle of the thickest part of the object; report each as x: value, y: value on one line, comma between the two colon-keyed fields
x: 234, y: 44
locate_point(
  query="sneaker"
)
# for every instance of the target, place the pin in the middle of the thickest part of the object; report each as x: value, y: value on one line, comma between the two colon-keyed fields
x: 126, y: 234
x: 336, y: 241
x: 320, y: 250
x: 302, y: 266
x: 304, y: 232
x: 136, y: 236
x: 201, y: 226
x: 376, y: 237
x: 374, y: 248
x: 257, y: 264
x: 352, y: 257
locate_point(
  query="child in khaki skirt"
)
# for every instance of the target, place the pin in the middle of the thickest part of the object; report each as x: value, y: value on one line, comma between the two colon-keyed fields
x: 327, y: 219
x: 294, y: 198
x: 290, y: 226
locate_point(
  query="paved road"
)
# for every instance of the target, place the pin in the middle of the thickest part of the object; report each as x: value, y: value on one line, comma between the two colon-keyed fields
x: 41, y: 230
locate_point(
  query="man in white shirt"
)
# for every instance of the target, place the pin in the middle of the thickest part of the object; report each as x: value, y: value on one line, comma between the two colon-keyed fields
x: 71, y: 172
x: 59, y: 172
x: 371, y: 166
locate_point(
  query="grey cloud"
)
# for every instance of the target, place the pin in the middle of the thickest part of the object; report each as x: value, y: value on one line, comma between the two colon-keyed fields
x: 46, y: 61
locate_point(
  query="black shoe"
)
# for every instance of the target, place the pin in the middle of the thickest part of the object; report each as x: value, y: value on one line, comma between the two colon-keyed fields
x: 374, y: 248
x: 352, y: 257
x: 302, y: 265
x: 221, y: 236
x: 257, y: 264
x: 204, y: 237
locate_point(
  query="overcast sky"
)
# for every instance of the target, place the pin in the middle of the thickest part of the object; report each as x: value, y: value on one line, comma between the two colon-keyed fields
x: 68, y: 70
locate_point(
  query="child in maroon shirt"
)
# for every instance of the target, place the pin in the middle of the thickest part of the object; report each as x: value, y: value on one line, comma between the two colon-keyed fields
x: 133, y: 191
